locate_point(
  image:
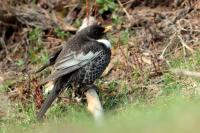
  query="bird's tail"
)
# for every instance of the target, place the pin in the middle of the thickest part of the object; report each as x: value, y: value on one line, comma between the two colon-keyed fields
x: 59, y: 86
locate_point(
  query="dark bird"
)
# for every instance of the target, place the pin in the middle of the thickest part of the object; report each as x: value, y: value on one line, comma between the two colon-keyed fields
x: 82, y: 59
x: 86, y: 22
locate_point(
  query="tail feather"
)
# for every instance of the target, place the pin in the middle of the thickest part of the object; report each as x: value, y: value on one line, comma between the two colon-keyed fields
x: 59, y: 86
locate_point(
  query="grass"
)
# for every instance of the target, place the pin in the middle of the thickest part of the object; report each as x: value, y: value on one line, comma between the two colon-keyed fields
x: 169, y: 114
x: 175, y: 109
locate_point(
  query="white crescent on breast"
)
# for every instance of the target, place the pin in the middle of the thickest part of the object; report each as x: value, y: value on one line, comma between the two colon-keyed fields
x: 105, y: 42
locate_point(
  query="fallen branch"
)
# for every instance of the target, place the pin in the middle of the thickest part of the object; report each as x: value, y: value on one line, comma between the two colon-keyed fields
x: 183, y: 72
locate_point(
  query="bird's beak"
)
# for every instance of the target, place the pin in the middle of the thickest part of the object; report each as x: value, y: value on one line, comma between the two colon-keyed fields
x: 107, y: 28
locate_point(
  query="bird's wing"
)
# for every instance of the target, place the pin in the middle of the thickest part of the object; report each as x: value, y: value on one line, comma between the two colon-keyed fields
x: 74, y: 60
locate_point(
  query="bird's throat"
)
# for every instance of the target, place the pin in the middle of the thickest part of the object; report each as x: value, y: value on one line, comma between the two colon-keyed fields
x: 105, y: 42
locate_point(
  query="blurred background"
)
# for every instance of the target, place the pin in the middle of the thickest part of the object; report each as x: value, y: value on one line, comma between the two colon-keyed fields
x: 151, y: 84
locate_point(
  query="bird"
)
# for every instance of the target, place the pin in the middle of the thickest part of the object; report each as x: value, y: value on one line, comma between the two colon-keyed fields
x: 80, y: 61
x: 88, y: 21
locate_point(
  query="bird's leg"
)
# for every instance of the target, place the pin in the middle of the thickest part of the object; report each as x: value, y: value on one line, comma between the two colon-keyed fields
x: 48, y: 87
x: 73, y: 91
x: 94, y: 104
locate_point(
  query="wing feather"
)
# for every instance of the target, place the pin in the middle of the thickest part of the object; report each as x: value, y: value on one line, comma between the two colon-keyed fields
x: 73, y: 61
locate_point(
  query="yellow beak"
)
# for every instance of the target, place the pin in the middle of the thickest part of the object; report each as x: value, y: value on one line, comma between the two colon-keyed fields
x: 107, y: 28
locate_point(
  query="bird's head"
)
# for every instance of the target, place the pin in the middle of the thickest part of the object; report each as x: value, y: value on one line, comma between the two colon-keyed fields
x: 88, y: 21
x: 96, y: 31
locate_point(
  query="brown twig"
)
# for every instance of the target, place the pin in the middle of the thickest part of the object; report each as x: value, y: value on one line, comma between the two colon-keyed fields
x: 182, y: 13
x: 2, y: 42
x: 87, y: 8
x: 125, y: 11
x: 156, y: 66
x: 95, y: 8
x: 26, y: 60
x: 37, y: 94
x: 138, y: 64
x: 128, y: 64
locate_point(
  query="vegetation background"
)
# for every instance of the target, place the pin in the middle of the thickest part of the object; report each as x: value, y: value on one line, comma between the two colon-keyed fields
x: 151, y: 85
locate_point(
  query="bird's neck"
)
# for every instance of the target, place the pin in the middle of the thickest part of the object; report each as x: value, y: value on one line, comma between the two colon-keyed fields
x: 105, y: 42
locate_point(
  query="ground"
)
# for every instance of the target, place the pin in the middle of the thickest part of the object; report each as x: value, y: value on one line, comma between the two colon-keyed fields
x: 145, y: 87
